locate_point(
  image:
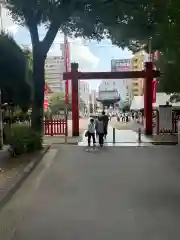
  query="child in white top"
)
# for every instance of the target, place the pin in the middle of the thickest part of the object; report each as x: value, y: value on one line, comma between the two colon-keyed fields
x: 91, y: 133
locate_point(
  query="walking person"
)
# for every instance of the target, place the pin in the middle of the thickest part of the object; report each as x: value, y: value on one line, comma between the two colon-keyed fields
x: 105, y: 120
x: 133, y: 116
x: 91, y: 134
x: 100, y: 131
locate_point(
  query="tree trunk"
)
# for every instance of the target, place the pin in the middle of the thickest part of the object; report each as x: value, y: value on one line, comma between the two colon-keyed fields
x: 38, y: 89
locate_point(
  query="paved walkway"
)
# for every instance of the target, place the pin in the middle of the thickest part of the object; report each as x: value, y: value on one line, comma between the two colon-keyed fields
x: 122, y: 138
x: 117, y: 193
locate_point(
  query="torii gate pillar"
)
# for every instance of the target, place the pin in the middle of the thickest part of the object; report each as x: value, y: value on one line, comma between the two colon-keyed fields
x: 75, y: 100
x: 148, y: 98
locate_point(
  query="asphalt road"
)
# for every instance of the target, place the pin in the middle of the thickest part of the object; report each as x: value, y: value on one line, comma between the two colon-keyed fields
x: 115, y: 193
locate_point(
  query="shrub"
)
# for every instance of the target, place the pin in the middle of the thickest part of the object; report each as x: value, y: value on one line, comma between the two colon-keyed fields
x: 23, y: 139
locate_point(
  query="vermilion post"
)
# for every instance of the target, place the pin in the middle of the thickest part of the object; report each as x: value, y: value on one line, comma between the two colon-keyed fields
x: 148, y: 98
x: 75, y: 102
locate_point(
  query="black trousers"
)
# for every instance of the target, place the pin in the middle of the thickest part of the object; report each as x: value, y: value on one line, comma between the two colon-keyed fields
x: 91, y: 135
x: 101, y: 139
x: 105, y: 129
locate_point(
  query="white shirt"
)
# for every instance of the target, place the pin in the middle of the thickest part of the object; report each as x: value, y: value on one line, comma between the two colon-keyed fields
x: 91, y: 128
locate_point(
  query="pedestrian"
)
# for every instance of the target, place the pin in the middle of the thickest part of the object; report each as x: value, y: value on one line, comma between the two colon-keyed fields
x: 132, y: 115
x: 123, y: 117
x: 96, y: 123
x: 105, y: 120
x: 91, y: 134
x: 100, y: 131
x: 126, y: 117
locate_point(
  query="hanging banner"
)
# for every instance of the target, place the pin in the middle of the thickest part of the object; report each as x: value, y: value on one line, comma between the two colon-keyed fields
x: 46, y: 103
x: 154, y: 87
x: 165, y: 118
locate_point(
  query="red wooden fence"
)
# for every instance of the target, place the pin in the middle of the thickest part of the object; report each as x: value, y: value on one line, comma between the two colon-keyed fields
x: 55, y: 127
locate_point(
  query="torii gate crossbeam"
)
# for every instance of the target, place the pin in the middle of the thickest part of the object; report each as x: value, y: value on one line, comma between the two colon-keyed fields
x: 148, y: 74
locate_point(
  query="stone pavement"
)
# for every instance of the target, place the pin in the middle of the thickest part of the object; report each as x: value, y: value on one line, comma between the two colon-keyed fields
x: 117, y: 193
x: 122, y: 138
x: 131, y: 125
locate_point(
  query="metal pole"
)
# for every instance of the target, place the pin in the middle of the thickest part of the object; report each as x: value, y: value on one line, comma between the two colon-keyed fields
x: 114, y: 136
x: 66, y: 64
x: 139, y: 135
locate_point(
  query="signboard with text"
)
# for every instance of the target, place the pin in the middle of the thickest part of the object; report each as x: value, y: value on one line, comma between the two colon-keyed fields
x: 120, y: 65
x: 108, y: 95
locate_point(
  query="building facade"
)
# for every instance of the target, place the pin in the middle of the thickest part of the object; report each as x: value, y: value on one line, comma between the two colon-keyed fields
x: 54, y: 68
x: 137, y: 63
x: 84, y: 93
x: 92, y: 100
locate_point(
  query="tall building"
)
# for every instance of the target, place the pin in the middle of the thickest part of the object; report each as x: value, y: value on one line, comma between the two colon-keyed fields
x: 137, y: 63
x: 92, y: 100
x: 54, y: 68
x: 84, y: 92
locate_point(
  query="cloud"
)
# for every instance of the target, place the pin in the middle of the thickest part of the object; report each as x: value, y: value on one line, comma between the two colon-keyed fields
x: 78, y: 51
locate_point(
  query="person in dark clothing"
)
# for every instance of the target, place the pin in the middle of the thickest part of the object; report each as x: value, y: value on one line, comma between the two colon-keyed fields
x: 105, y: 120
x: 100, y: 131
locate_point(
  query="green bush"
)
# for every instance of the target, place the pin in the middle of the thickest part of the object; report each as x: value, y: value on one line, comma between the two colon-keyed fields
x: 23, y: 140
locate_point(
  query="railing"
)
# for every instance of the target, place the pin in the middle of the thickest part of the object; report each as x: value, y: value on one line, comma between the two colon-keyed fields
x: 55, y: 127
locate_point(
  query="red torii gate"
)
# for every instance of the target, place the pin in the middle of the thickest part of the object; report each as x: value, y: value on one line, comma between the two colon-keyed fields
x: 148, y: 74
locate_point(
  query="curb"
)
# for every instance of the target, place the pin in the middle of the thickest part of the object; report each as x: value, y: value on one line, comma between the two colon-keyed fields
x: 27, y: 171
x: 164, y: 143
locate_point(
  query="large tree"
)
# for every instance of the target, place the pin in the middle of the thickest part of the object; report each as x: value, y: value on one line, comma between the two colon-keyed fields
x: 67, y: 15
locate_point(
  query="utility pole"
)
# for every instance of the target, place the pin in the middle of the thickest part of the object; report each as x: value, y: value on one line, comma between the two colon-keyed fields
x: 66, y: 64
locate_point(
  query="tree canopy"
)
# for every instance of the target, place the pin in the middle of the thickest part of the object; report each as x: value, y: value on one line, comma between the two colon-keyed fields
x: 14, y: 79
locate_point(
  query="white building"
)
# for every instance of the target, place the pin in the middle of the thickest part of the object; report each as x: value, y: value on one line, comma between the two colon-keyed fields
x: 54, y: 68
x: 112, y: 88
x: 84, y: 92
x: 92, y: 99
